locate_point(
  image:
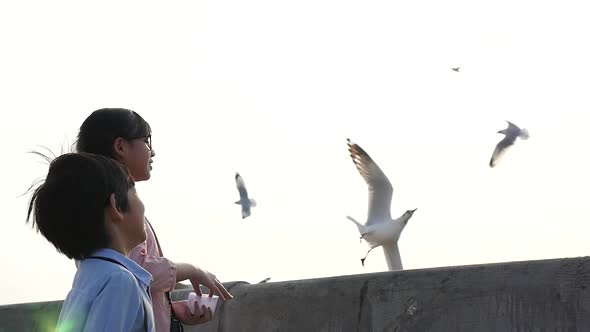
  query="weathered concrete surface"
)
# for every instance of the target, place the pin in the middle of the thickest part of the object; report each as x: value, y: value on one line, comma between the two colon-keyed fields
x: 547, y: 295
x: 38, y: 317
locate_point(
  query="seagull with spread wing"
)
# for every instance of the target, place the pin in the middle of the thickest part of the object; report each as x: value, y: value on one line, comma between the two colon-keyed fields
x: 244, y: 201
x: 380, y: 229
x: 511, y: 133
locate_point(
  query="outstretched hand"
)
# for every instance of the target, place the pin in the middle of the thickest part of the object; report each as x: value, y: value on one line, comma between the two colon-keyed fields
x: 209, y: 280
x: 200, y: 316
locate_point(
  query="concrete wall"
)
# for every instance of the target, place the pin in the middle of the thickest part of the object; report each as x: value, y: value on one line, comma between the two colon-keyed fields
x: 547, y: 295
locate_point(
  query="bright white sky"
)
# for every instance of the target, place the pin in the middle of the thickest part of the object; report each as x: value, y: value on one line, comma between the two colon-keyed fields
x: 272, y: 89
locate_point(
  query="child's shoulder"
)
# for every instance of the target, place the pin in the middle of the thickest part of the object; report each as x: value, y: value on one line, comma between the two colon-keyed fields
x: 122, y: 277
x: 95, y: 277
x: 104, y: 270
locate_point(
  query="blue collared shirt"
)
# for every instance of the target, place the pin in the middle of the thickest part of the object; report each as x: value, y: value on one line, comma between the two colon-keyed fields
x: 108, y: 297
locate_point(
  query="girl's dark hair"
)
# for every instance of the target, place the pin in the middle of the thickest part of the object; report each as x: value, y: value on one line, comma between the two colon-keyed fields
x: 103, y: 126
x: 68, y: 208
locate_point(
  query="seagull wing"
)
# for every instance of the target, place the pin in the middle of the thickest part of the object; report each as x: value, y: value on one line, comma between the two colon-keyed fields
x: 501, y: 149
x: 380, y: 189
x: 512, y: 130
x: 392, y: 256
x: 245, y: 211
x: 241, y: 188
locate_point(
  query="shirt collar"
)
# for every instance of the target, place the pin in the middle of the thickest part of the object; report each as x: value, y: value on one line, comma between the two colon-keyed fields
x: 139, y: 272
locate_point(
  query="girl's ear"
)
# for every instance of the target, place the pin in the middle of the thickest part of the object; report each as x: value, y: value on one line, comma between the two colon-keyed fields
x: 119, y: 148
x: 113, y: 211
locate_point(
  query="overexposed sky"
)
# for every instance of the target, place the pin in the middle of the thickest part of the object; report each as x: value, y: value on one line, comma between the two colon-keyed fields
x: 272, y: 89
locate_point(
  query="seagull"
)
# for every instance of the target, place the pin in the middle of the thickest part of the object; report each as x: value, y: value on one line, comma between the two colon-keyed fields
x: 511, y: 133
x: 456, y: 69
x: 265, y: 280
x: 244, y: 201
x: 380, y: 229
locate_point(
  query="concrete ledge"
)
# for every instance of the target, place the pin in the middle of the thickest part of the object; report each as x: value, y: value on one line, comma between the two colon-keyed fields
x: 41, y: 316
x: 545, y: 295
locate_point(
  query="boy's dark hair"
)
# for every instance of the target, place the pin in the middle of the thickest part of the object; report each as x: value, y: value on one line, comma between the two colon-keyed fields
x: 68, y: 208
x: 101, y: 128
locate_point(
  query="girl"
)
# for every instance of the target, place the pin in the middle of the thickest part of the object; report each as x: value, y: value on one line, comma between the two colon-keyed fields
x: 124, y: 135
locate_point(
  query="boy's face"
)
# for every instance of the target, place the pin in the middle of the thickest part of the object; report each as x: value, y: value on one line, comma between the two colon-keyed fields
x: 133, y: 224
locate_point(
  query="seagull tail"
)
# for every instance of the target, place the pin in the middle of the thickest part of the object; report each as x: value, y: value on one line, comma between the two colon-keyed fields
x: 252, y: 202
x: 524, y: 134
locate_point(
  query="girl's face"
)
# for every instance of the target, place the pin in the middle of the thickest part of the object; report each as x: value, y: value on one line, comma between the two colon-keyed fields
x: 136, y: 154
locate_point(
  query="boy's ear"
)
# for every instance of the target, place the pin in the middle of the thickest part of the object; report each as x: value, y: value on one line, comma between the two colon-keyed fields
x: 119, y: 147
x: 113, y: 211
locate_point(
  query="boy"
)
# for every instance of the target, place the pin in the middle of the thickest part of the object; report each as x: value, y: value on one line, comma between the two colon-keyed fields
x: 89, y: 210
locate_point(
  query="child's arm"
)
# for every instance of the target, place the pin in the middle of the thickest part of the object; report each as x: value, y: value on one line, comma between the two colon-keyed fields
x: 166, y: 273
x: 198, y: 276
x: 162, y: 269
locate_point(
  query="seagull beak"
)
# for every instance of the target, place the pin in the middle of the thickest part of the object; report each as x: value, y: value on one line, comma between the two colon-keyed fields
x: 414, y: 210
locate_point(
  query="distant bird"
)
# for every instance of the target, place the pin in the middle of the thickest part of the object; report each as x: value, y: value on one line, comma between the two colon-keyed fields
x: 456, y: 69
x: 244, y: 201
x: 265, y: 280
x: 511, y: 133
x: 380, y: 229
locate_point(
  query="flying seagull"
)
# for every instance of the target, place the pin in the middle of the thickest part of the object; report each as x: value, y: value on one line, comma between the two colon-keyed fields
x: 456, y: 69
x: 244, y: 201
x: 511, y: 133
x: 380, y: 229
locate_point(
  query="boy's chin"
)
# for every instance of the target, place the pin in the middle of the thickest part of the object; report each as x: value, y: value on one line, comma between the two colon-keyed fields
x: 140, y: 241
x: 145, y: 177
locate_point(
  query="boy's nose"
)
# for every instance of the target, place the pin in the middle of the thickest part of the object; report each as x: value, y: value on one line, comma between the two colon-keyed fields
x: 153, y: 153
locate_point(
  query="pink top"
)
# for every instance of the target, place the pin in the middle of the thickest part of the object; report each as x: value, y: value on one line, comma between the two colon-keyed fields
x: 149, y: 255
